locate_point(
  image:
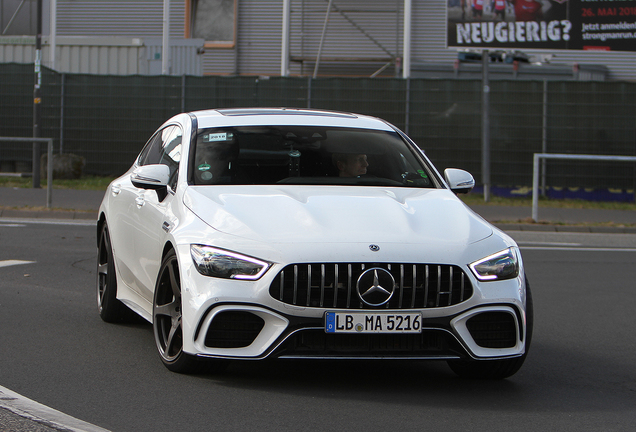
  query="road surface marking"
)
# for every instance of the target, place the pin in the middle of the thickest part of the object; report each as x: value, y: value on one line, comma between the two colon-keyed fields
x: 76, y: 222
x: 9, y: 263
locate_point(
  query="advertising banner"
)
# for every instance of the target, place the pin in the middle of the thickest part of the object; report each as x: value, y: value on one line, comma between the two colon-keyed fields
x: 605, y: 25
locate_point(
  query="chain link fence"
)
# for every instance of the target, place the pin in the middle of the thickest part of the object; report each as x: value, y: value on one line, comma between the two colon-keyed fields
x: 107, y: 119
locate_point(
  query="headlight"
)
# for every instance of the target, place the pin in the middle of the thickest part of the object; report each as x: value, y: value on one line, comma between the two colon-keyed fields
x: 499, y: 266
x: 220, y: 263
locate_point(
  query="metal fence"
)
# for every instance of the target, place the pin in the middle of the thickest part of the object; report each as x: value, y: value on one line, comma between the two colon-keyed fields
x: 36, y: 144
x: 538, y: 157
x: 107, y: 119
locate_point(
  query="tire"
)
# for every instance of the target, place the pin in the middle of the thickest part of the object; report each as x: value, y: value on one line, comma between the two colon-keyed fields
x: 497, y: 369
x: 167, y: 318
x: 109, y: 308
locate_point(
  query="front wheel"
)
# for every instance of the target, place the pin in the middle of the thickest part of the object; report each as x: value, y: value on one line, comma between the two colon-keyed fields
x: 497, y: 369
x: 167, y: 318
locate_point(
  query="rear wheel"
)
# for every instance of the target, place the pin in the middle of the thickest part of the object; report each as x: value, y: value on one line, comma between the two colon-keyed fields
x: 109, y: 308
x: 167, y: 318
x: 497, y: 369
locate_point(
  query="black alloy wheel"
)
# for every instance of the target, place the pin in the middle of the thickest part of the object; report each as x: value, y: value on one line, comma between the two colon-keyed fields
x: 167, y: 318
x: 109, y: 308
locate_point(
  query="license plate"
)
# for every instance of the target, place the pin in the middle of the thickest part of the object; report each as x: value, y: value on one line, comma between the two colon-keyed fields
x: 378, y: 322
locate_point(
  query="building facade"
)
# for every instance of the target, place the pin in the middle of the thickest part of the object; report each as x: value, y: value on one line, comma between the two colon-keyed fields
x: 244, y: 37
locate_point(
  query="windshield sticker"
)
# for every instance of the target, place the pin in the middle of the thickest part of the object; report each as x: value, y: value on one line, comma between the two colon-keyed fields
x: 206, y: 175
x: 215, y: 137
x: 204, y: 167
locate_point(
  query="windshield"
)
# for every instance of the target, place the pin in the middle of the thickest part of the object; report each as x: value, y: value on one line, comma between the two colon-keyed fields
x: 305, y: 155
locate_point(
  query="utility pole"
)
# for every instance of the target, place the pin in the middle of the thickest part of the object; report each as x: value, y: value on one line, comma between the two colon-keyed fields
x: 284, y: 58
x: 485, y: 124
x: 165, y: 49
x: 406, y: 55
x: 37, y: 97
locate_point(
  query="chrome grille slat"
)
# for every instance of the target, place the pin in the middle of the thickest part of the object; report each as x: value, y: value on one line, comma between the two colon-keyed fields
x: 282, y: 286
x: 349, y: 286
x: 401, y: 284
x: 450, y: 287
x: 414, y: 285
x: 295, y: 283
x: 426, y: 280
x: 388, y: 303
x: 333, y: 285
x: 439, y: 285
x: 308, y: 284
x: 322, y: 284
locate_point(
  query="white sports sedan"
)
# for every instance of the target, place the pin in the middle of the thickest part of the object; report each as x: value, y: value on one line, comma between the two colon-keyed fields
x: 304, y: 234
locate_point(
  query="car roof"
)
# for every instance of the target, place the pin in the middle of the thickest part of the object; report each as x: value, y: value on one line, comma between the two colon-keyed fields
x: 286, y: 117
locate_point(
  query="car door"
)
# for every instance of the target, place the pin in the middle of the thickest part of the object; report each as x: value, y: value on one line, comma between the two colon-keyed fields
x: 149, y: 213
x: 124, y: 217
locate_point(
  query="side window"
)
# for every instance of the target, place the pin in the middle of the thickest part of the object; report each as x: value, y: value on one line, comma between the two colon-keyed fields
x: 213, y: 21
x: 164, y: 148
x: 151, y: 154
x: 171, y: 154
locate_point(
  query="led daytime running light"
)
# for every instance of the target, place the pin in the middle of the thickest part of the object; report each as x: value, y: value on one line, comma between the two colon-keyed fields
x: 220, y: 263
x: 499, y: 266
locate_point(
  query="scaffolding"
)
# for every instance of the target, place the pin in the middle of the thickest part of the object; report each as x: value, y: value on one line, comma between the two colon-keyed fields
x: 389, y: 57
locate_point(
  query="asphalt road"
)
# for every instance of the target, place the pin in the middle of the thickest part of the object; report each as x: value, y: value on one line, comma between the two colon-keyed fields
x: 579, y: 376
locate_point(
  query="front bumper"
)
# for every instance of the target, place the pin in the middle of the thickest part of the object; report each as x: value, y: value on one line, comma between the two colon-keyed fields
x: 241, y: 320
x: 243, y: 331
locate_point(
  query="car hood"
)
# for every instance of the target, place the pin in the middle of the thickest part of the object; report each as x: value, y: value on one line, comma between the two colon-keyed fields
x: 325, y: 214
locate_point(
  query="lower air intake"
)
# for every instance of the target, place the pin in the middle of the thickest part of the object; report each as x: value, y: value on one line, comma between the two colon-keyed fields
x: 233, y: 329
x: 493, y: 329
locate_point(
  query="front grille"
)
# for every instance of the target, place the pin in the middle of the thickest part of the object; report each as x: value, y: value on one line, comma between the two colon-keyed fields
x: 335, y: 285
x: 493, y: 330
x: 233, y: 329
x: 317, y: 343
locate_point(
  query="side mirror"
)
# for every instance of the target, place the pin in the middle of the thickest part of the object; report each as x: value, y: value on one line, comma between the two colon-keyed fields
x: 153, y: 177
x: 459, y: 181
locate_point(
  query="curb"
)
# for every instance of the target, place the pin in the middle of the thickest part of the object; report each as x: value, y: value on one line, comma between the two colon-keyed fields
x: 62, y: 214
x: 504, y: 226
x: 547, y: 227
x: 31, y: 411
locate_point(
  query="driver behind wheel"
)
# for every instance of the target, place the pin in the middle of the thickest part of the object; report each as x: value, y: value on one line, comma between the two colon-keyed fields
x: 350, y: 165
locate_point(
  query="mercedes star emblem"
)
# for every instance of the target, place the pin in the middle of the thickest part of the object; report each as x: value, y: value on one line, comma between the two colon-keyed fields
x: 375, y: 286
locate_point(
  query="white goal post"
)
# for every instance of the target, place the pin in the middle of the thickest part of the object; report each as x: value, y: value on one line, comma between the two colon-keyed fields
x: 537, y: 161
